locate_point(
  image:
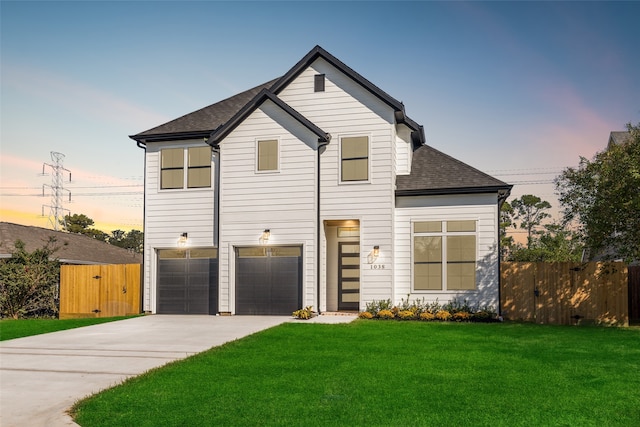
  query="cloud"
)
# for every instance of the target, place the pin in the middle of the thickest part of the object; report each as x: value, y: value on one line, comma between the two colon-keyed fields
x: 78, y: 96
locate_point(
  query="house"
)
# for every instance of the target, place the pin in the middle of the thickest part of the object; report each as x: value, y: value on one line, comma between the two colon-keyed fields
x: 76, y: 249
x: 313, y: 189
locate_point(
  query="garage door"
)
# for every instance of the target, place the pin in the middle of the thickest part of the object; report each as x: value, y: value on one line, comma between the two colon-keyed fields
x: 268, y: 280
x: 188, y: 281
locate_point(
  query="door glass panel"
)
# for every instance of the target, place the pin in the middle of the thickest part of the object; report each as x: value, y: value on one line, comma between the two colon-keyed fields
x: 204, y: 253
x: 355, y: 273
x: 352, y: 297
x: 351, y: 248
x: 350, y: 285
x: 172, y: 253
x: 351, y: 260
x: 252, y: 252
x: 286, y: 251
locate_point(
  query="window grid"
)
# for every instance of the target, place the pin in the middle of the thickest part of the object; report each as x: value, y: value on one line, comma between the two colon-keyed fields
x: 354, y: 159
x: 172, y: 168
x: 444, y: 255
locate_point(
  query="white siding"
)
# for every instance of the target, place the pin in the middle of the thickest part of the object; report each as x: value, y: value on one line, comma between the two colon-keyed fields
x: 346, y: 109
x: 481, y: 207
x: 404, y: 150
x: 282, y: 201
x: 169, y: 213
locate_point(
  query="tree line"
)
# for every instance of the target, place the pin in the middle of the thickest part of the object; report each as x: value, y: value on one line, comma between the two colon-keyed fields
x: 600, y: 201
x: 82, y: 224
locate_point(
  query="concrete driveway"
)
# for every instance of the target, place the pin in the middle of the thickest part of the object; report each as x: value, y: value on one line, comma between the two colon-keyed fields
x: 42, y: 376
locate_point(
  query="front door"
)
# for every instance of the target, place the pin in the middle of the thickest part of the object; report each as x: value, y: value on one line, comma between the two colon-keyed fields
x: 349, y: 276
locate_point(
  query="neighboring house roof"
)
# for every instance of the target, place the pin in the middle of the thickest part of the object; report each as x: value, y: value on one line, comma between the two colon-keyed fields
x: 433, y: 172
x: 619, y: 138
x: 72, y: 248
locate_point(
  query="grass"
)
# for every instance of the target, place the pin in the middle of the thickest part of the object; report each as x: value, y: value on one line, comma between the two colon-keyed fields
x: 380, y: 373
x: 10, y: 329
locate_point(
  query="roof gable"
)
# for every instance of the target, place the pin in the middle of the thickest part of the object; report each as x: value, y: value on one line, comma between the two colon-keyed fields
x: 433, y: 172
x: 249, y: 108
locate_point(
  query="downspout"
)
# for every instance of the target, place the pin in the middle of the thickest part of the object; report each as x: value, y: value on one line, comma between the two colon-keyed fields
x: 143, y: 145
x: 216, y: 213
x: 321, y: 145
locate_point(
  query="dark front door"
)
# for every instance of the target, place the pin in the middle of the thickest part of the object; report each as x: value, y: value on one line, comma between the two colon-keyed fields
x: 268, y: 280
x: 348, y: 276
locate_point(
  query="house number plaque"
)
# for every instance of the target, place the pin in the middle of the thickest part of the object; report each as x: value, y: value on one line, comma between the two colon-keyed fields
x: 377, y: 266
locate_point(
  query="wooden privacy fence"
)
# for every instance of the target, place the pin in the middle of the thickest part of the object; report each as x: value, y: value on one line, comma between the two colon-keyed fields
x: 99, y: 290
x: 565, y: 293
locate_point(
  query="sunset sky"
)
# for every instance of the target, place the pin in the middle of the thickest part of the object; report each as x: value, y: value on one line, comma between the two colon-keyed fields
x: 519, y: 90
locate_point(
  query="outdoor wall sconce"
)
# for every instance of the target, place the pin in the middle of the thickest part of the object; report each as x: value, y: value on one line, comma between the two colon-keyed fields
x: 182, y: 241
x: 265, y: 235
x: 376, y: 251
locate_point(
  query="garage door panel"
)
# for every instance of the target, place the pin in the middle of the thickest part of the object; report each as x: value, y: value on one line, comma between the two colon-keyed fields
x: 268, y: 284
x: 187, y: 285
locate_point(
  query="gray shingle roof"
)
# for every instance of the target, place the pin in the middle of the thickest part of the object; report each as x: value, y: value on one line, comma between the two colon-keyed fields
x: 206, y: 119
x: 433, y: 172
x: 72, y: 248
x: 619, y: 137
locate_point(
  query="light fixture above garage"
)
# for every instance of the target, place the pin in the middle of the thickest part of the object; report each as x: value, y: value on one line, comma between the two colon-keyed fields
x: 182, y: 241
x: 376, y: 251
x: 266, y: 234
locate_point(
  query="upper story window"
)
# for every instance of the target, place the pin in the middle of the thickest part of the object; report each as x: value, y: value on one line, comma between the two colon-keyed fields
x: 318, y: 83
x: 444, y: 255
x: 354, y: 158
x: 267, y: 155
x: 172, y: 168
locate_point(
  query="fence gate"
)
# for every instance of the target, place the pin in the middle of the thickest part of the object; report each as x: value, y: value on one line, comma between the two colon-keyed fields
x: 99, y: 290
x: 565, y: 293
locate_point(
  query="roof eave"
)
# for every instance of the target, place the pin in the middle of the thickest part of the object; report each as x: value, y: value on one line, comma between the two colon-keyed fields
x: 500, y: 189
x: 172, y: 136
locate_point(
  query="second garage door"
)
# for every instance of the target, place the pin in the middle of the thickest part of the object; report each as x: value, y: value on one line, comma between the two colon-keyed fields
x: 268, y: 280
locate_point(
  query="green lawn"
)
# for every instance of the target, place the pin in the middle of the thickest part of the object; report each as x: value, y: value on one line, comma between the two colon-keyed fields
x: 10, y: 329
x: 388, y: 373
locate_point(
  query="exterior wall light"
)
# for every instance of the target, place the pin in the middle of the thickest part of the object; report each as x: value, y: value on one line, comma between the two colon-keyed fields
x: 376, y: 251
x: 266, y: 234
x: 182, y: 241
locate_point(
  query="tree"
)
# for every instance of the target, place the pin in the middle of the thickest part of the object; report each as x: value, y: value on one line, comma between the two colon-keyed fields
x: 506, y: 242
x: 602, y: 197
x: 530, y: 210
x: 132, y: 240
x: 29, y: 282
x: 80, y: 223
x: 556, y: 243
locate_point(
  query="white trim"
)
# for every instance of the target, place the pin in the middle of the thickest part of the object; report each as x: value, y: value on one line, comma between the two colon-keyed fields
x: 257, y: 159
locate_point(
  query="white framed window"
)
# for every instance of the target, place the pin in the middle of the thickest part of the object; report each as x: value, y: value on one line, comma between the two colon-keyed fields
x: 267, y: 155
x: 354, y: 159
x: 444, y: 255
x: 172, y: 168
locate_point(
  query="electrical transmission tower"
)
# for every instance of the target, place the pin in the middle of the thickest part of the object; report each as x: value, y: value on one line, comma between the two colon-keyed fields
x: 56, y: 211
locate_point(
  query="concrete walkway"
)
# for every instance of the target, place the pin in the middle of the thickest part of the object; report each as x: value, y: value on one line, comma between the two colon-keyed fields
x: 42, y: 376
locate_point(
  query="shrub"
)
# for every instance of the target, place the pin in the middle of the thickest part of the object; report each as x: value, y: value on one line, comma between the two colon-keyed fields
x: 365, y: 315
x: 406, y: 315
x: 374, y: 307
x: 461, y: 316
x: 29, y: 282
x: 427, y: 316
x: 483, y: 316
x: 443, y: 315
x: 304, y: 313
x: 385, y: 314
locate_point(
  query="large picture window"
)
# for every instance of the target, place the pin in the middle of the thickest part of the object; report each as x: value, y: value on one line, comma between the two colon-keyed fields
x: 444, y: 255
x: 172, y: 168
x: 354, y: 159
